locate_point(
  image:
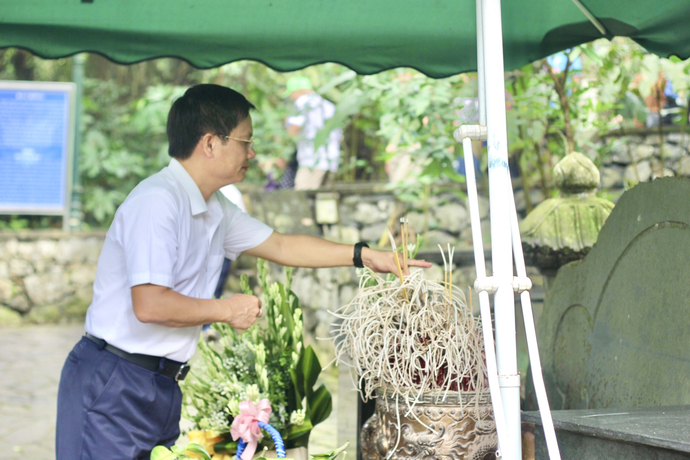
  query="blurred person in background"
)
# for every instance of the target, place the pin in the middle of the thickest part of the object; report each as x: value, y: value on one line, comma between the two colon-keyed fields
x: 311, y: 113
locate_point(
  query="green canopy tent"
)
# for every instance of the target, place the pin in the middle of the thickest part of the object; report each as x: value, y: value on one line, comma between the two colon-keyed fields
x: 437, y: 37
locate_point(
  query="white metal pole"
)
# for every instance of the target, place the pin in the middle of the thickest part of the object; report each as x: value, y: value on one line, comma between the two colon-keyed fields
x: 480, y: 67
x: 484, y: 301
x: 532, y: 347
x: 500, y: 191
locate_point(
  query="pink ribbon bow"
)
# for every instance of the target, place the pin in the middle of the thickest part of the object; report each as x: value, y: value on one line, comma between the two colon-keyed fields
x: 246, y: 425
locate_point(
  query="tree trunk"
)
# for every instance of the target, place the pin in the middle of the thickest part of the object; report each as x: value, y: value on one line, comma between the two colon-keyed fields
x: 23, y: 67
x: 559, y: 81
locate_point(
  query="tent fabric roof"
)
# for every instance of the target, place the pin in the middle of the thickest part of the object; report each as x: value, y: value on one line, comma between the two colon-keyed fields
x: 437, y: 37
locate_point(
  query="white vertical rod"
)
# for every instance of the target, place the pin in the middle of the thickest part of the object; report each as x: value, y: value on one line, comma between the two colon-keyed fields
x: 500, y: 191
x: 480, y: 66
x: 484, y: 302
x: 532, y: 346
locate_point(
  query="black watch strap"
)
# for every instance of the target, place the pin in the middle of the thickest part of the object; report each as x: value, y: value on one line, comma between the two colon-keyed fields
x: 357, y: 257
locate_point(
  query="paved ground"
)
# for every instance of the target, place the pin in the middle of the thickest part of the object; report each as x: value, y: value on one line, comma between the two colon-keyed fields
x: 32, y: 358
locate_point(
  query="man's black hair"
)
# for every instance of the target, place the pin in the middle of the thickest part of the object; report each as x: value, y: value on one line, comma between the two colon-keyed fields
x: 203, y: 109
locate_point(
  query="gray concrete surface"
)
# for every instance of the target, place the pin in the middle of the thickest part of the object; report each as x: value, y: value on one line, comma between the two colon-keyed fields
x: 32, y: 358
x: 30, y: 365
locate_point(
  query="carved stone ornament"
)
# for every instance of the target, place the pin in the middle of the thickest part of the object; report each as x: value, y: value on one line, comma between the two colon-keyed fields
x: 564, y: 229
x: 453, y: 431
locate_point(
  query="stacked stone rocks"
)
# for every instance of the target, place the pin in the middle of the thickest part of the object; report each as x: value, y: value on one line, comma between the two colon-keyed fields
x: 642, y: 157
x: 46, y: 276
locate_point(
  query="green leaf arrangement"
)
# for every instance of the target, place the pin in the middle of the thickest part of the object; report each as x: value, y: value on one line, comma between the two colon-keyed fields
x: 178, y: 453
x: 266, y: 361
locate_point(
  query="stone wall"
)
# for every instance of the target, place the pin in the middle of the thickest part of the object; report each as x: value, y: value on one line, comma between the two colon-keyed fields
x: 638, y: 157
x: 46, y: 276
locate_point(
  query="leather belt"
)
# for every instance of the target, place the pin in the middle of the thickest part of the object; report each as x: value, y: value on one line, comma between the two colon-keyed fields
x: 164, y: 366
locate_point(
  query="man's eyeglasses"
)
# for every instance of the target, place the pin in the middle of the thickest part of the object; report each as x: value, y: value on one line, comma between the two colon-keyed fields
x: 246, y: 141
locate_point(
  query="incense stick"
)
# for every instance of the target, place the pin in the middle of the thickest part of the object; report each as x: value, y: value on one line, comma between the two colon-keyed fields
x: 403, y: 242
x: 407, y: 244
x: 397, y: 262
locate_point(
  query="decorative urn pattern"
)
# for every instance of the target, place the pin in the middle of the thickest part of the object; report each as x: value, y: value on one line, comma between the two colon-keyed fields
x: 434, y: 430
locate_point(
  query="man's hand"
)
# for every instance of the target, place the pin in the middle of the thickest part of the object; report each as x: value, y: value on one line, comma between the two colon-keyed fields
x: 384, y: 261
x: 243, y: 310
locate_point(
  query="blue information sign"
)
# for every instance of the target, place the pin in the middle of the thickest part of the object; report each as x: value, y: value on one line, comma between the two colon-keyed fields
x: 36, y: 136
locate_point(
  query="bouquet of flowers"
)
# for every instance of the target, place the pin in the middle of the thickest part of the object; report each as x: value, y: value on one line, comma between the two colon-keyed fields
x: 264, y: 362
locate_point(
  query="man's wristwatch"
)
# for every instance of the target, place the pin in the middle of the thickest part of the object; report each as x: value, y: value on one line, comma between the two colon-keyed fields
x: 357, y: 257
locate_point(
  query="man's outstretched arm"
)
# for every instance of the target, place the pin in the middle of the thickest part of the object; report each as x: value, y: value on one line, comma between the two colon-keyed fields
x: 312, y: 252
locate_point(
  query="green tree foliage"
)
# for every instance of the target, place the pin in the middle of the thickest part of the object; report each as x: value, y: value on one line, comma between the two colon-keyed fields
x: 394, y: 114
x: 122, y: 144
x: 415, y: 116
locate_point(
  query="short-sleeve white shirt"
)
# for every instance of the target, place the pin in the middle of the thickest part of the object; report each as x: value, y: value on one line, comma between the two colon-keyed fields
x: 165, y: 233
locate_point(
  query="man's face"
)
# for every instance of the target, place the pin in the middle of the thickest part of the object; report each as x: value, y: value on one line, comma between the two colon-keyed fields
x: 234, y: 155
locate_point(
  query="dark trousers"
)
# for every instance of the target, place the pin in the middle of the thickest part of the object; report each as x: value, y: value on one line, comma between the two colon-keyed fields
x: 110, y: 408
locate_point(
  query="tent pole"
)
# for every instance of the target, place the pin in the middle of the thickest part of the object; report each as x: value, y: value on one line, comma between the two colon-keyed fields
x: 532, y: 347
x: 484, y: 301
x: 500, y: 191
x: 480, y: 66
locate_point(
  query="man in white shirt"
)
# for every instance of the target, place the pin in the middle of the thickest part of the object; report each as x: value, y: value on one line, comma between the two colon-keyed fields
x: 312, y: 113
x: 118, y: 394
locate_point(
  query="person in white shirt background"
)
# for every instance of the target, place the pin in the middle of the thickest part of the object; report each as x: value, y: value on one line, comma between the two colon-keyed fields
x: 312, y: 112
x: 119, y: 395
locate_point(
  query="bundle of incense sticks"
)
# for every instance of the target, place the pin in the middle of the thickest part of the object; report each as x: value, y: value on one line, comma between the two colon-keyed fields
x: 405, y: 237
x: 404, y: 249
x: 397, y: 262
x: 448, y: 271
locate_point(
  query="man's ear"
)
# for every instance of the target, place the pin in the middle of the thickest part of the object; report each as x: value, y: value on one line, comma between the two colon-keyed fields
x: 206, y: 144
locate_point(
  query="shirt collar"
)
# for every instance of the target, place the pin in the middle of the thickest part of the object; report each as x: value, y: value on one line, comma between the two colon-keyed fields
x: 196, y: 199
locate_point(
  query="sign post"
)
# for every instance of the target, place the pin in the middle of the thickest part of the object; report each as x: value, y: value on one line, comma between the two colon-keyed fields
x: 37, y: 125
x: 76, y: 214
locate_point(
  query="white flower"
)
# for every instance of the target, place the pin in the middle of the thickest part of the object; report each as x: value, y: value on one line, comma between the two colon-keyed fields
x: 234, y: 407
x: 260, y: 354
x: 297, y: 331
x: 253, y: 392
x: 263, y: 378
x: 297, y: 417
x: 203, y: 424
x: 274, y: 290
